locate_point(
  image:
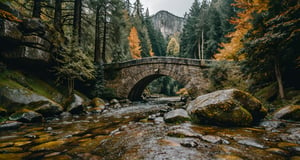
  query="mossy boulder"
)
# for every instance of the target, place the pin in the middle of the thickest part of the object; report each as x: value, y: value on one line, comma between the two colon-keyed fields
x: 27, y: 116
x: 15, y: 98
x: 97, y: 102
x: 288, y: 113
x: 230, y: 107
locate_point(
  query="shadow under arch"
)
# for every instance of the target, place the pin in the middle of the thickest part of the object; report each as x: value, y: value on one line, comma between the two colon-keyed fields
x: 136, y: 92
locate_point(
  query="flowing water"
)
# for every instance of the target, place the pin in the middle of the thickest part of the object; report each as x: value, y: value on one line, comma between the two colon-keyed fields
x: 139, y: 132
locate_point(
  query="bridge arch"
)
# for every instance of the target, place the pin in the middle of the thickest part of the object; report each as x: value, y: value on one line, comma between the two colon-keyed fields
x: 131, y: 78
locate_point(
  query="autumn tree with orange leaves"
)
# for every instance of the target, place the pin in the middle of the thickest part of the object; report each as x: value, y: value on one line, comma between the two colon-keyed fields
x: 242, y: 24
x: 266, y: 38
x: 134, y: 44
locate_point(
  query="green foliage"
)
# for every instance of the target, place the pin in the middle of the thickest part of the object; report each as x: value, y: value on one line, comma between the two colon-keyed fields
x: 157, y: 40
x: 73, y: 64
x: 164, y: 85
x: 109, y: 93
x: 225, y: 75
x: 272, y: 46
x: 173, y: 47
x: 210, y: 19
x: 98, y: 89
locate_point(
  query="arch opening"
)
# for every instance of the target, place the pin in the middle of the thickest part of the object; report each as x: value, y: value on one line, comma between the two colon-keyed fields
x: 137, y: 91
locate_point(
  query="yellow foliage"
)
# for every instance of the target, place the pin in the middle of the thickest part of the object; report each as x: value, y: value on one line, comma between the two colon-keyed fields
x: 182, y: 92
x: 134, y: 44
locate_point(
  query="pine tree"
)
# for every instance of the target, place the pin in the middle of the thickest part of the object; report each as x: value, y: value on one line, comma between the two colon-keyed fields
x: 157, y: 40
x: 189, y: 38
x: 271, y: 46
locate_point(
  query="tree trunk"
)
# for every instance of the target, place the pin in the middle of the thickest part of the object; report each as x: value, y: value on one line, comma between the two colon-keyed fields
x: 57, y: 16
x: 104, y: 36
x: 279, y: 79
x: 77, y: 21
x: 199, y: 49
x: 70, y: 86
x: 97, y: 54
x: 202, y: 46
x: 37, y: 9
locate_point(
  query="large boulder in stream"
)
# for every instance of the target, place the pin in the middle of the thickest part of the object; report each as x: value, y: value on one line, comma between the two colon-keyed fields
x: 288, y: 113
x: 230, y: 107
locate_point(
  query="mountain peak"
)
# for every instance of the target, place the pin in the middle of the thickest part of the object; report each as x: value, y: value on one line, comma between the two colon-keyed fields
x: 167, y: 23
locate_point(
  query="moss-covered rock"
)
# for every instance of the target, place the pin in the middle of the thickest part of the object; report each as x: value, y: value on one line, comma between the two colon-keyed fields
x: 288, y: 113
x: 27, y: 116
x: 97, y: 102
x: 226, y: 107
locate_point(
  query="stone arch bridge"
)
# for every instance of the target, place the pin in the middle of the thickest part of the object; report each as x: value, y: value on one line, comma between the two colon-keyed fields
x: 129, y: 79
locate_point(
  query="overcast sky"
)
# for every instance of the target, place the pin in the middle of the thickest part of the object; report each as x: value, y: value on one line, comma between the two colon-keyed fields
x: 177, y: 7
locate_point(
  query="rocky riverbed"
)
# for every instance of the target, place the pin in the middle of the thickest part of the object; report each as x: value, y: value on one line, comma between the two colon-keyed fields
x: 139, y: 131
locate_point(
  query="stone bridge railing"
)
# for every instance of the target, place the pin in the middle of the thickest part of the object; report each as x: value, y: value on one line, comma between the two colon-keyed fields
x: 161, y: 60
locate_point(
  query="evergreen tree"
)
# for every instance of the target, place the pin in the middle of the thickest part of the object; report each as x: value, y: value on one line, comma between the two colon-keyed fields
x: 274, y: 40
x: 156, y: 38
x: 189, y: 38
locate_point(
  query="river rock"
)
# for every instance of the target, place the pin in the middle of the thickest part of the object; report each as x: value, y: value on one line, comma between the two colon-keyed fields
x: 175, y: 116
x: 26, y: 116
x: 271, y: 125
x: 252, y: 143
x: 3, y: 112
x: 190, y: 142
x: 12, y: 97
x: 288, y: 113
x: 226, y: 107
x: 97, y: 102
x: 212, y: 139
x: 278, y: 151
x: 292, y: 135
x: 76, y: 105
x: 114, y: 101
x: 10, y: 125
x: 182, y: 132
x: 49, y: 109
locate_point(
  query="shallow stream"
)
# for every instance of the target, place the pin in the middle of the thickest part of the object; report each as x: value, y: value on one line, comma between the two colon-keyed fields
x: 139, y: 132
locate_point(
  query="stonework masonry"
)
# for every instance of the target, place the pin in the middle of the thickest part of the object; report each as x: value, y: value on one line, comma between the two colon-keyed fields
x: 129, y: 79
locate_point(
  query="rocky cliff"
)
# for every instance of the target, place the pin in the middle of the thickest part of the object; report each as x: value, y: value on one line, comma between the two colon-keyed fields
x: 167, y: 23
